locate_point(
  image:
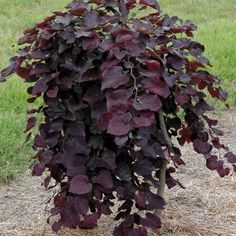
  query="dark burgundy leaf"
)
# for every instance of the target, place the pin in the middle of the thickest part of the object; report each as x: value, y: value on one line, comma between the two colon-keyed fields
x: 216, y: 143
x: 108, y: 160
x: 24, y: 73
x: 201, y: 107
x: 121, y: 140
x: 46, y: 157
x: 39, y: 141
x: 64, y: 20
x: 231, y: 158
x: 69, y: 217
x: 90, y: 43
x: 37, y: 54
x: 217, y: 131
x: 176, y: 159
x: 212, y: 162
x: 96, y: 142
x: 145, y: 119
x: 123, y: 171
x: 118, y: 230
x: 151, y: 221
x: 234, y: 168
x: 140, y: 199
x: 107, y: 44
x: 76, y: 128
x: 124, y: 38
x: 92, y: 95
x: 143, y: 28
x: 39, y: 69
x: 40, y: 87
x: 9, y: 70
x: 104, y: 178
x: 150, y: 3
x: 170, y: 79
x: 81, y: 205
x: 186, y: 134
x: 68, y: 35
x: 46, y: 182
x: 27, y: 38
x: 77, y: 7
x: 78, y: 11
x: 175, y: 62
x: 122, y: 215
x: 52, y: 93
x: 154, y: 202
x: 153, y: 69
x: 153, y: 150
x: 38, y: 169
x: 74, y: 164
x: 90, y: 75
x: 185, y: 78
x: 91, y: 19
x: 105, y: 209
x: 52, y: 139
x: 90, y: 221
x: 80, y: 185
x: 109, y: 63
x: 56, y: 226
x: 222, y: 171
x: 120, y: 124
x: 144, y: 168
x: 127, y: 204
x: 210, y: 122
x: 113, y: 77
x: 103, y: 120
x: 181, y: 98
x: 130, y: 4
x: 157, y: 86
x: 201, y: 147
x: 148, y: 102
x: 170, y: 182
x: 118, y: 97
x: 81, y: 146
x: 30, y: 124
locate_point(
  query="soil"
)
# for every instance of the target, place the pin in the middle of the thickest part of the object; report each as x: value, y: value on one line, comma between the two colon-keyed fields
x: 206, y: 207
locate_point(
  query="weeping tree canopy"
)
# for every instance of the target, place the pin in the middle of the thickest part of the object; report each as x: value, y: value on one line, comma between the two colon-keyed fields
x: 117, y: 88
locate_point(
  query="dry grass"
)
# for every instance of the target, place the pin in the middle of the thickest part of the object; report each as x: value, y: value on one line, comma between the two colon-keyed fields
x: 216, y: 22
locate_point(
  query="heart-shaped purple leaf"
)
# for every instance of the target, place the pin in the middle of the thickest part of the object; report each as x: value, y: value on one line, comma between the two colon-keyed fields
x: 80, y: 185
x: 113, y: 77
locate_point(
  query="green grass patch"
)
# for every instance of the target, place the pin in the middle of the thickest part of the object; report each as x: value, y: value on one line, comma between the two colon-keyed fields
x: 14, y: 154
x: 216, y: 22
x: 15, y: 17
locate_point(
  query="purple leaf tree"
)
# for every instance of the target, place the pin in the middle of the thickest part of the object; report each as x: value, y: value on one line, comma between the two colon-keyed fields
x: 117, y: 89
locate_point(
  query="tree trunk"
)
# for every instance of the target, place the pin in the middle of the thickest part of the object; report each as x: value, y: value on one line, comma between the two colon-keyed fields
x: 162, y: 174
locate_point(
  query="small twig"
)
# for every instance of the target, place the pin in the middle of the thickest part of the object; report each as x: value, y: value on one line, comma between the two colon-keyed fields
x: 135, y: 83
x: 123, y: 11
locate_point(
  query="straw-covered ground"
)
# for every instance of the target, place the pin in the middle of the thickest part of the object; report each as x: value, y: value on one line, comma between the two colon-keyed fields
x: 206, y: 207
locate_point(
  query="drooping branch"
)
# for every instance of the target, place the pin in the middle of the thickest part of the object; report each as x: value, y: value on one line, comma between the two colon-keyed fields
x: 123, y: 10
